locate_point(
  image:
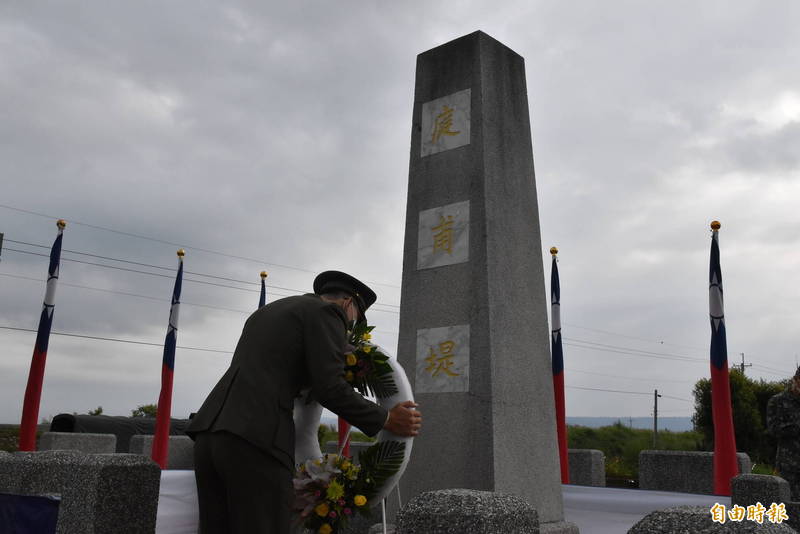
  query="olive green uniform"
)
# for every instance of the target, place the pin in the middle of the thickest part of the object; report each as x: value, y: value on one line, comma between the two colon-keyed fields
x: 244, y: 431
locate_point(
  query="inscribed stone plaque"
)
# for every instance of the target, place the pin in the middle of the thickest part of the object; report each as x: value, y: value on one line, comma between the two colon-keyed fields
x: 442, y: 359
x: 445, y: 123
x: 443, y: 236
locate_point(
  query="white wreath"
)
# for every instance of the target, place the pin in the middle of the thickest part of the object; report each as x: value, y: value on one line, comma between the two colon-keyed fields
x: 307, y: 417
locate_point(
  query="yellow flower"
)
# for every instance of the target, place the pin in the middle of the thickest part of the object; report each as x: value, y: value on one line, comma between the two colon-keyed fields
x: 335, y: 491
x: 351, y: 359
x: 325, y: 529
x: 367, y: 349
x: 322, y: 509
x: 360, y: 500
x: 349, y: 376
x: 367, y: 336
x: 345, y: 465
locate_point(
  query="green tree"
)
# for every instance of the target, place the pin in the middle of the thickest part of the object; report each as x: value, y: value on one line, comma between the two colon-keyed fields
x: 749, y: 405
x: 97, y: 411
x: 145, y: 410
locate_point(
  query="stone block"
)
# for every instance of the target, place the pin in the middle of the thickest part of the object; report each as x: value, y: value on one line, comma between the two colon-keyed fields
x: 69, y: 441
x: 100, y: 493
x: 682, y: 471
x: 766, y: 489
x: 587, y: 467
x: 181, y: 450
x: 686, y: 519
x: 455, y: 511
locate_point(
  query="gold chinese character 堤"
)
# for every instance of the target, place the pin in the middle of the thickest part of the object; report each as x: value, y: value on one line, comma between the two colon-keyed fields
x: 443, y: 235
x: 443, y: 124
x: 441, y: 363
x: 718, y: 513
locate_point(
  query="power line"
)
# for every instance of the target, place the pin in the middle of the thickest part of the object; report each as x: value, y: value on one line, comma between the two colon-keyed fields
x: 639, y: 379
x: 610, y: 390
x: 633, y: 337
x: 295, y: 291
x: 157, y: 240
x: 149, y: 297
x: 602, y: 347
x: 138, y: 295
x: 131, y: 341
x: 624, y: 392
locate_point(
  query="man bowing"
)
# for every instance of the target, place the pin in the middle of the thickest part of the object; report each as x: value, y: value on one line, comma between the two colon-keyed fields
x: 244, y: 431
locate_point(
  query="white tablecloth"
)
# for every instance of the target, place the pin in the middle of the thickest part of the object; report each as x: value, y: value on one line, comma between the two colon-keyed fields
x: 177, y: 503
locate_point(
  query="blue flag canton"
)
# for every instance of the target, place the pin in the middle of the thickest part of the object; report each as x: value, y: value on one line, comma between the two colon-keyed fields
x: 716, y: 309
x: 172, y: 331
x: 555, y: 309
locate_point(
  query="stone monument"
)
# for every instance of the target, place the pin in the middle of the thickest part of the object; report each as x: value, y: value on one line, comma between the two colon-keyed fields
x: 473, y: 324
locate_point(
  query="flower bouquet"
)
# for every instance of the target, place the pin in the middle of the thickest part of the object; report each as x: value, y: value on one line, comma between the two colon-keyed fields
x: 367, y: 368
x: 327, y: 493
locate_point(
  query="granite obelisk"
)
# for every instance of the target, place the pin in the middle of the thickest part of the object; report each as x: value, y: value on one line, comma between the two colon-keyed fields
x: 473, y: 323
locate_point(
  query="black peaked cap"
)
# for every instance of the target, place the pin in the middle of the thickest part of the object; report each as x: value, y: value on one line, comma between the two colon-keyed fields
x: 338, y: 281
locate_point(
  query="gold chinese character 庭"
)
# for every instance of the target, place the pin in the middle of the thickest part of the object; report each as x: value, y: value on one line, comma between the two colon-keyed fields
x: 441, y: 363
x: 443, y: 235
x: 443, y: 124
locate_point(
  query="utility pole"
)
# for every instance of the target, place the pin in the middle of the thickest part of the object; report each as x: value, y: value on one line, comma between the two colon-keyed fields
x: 742, y: 365
x: 655, y: 418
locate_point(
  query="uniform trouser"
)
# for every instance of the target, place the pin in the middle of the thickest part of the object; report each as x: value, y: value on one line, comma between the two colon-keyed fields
x: 240, y: 488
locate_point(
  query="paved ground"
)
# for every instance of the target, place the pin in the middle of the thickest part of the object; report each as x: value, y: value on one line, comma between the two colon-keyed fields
x: 615, y: 510
x: 594, y: 510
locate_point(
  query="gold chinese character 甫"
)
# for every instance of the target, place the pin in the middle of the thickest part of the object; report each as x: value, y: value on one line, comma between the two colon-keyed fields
x: 441, y: 363
x: 443, y: 124
x: 443, y: 234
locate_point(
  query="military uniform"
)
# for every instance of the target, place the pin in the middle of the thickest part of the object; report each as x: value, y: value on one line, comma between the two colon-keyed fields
x: 783, y: 422
x: 244, y: 431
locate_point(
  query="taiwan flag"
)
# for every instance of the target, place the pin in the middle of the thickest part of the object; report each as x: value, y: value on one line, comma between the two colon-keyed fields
x: 160, y: 452
x: 33, y: 391
x: 558, y: 368
x: 725, y: 463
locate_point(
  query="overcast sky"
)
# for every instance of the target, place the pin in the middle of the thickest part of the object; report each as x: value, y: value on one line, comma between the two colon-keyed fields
x: 250, y: 132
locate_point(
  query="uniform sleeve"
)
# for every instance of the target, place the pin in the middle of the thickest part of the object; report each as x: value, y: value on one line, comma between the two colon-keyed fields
x: 324, y: 339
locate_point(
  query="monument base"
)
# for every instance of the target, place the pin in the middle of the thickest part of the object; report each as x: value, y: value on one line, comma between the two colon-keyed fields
x: 558, y: 527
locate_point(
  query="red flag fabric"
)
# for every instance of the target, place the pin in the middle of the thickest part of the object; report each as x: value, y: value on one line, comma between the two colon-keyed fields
x: 344, y: 435
x: 160, y: 450
x: 33, y: 391
x: 726, y: 465
x: 558, y: 369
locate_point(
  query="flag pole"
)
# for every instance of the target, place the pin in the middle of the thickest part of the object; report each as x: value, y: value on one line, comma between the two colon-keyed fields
x: 725, y: 462
x: 160, y: 450
x: 263, y: 298
x: 558, y: 368
x: 33, y: 391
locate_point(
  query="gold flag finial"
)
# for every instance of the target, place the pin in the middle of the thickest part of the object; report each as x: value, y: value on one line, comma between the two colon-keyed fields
x: 61, y: 223
x: 181, y: 253
x: 264, y: 274
x: 553, y: 251
x: 715, y: 225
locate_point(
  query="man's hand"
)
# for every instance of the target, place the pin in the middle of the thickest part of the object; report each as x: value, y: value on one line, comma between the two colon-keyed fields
x: 404, y: 420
